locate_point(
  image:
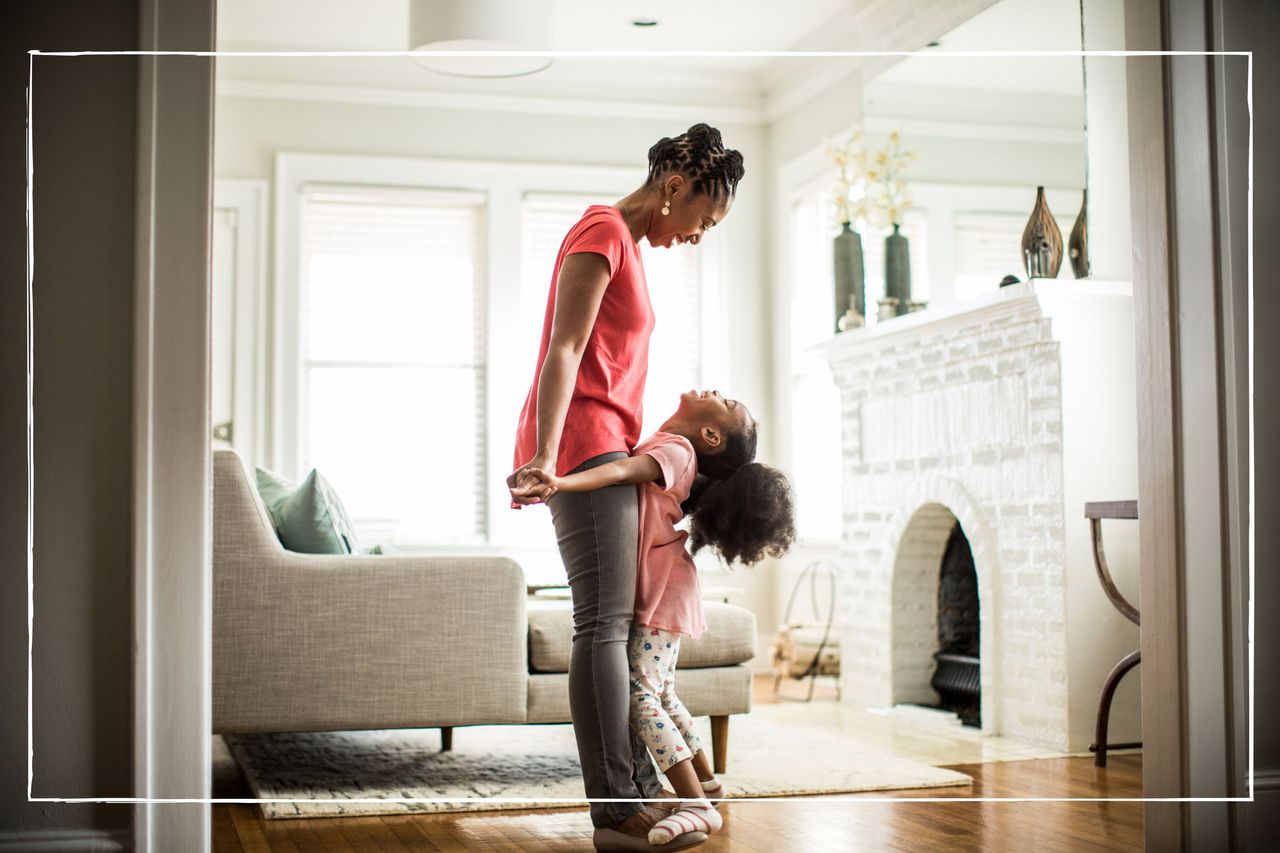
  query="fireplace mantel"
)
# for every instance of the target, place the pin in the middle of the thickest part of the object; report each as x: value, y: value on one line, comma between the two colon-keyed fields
x: 988, y: 307
x: 1005, y: 413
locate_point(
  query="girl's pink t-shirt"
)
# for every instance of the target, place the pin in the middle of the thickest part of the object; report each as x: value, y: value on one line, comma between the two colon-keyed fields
x: 668, y: 595
x: 605, y: 410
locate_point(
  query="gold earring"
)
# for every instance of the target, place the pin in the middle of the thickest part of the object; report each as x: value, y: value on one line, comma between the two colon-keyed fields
x: 666, y: 207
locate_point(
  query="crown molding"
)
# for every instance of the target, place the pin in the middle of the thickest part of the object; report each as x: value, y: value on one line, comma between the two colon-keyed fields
x: 533, y: 104
x: 977, y: 129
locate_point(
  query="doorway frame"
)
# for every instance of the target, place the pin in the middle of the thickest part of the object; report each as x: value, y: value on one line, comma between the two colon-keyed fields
x: 1194, y: 424
x: 172, y: 457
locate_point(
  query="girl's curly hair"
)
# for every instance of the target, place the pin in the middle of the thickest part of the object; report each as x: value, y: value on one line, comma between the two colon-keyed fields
x: 743, y: 509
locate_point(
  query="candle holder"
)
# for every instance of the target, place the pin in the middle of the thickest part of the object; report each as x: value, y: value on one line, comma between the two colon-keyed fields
x: 887, y: 308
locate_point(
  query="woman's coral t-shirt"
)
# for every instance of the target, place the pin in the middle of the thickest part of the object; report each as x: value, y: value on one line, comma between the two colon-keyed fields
x: 668, y: 595
x: 605, y: 411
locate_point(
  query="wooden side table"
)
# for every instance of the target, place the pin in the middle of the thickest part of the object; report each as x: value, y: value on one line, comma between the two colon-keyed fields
x: 1096, y: 512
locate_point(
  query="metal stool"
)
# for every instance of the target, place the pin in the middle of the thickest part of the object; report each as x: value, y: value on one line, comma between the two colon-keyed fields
x: 1095, y: 512
x: 826, y: 657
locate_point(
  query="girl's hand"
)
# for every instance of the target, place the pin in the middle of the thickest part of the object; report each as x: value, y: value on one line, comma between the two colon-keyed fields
x: 525, y: 489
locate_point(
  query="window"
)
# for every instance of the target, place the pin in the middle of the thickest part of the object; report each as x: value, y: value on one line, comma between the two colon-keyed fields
x: 391, y: 364
x: 675, y: 289
x: 815, y: 409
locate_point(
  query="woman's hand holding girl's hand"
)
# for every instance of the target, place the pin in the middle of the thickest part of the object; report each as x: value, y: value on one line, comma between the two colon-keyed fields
x: 527, y: 488
x: 541, y: 482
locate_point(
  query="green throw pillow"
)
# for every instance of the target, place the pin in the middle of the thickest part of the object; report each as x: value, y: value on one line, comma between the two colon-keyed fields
x: 383, y: 550
x: 310, y: 518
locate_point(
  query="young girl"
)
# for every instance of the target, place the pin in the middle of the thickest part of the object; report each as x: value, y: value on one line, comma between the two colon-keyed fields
x: 699, y: 463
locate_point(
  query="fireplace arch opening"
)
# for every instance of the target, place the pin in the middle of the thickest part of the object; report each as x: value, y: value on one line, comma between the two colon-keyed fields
x: 936, y: 625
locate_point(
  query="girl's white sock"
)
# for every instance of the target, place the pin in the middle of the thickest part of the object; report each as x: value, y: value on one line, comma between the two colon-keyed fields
x: 692, y: 816
x: 713, y: 790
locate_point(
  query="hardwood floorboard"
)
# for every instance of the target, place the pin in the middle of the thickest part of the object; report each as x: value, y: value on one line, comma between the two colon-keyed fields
x: 305, y: 835
x: 249, y: 829
x: 408, y: 833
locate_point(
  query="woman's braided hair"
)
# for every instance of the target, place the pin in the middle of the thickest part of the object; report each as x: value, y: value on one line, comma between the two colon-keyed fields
x: 698, y: 154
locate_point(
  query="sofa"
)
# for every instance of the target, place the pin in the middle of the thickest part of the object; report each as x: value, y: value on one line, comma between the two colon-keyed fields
x: 309, y: 642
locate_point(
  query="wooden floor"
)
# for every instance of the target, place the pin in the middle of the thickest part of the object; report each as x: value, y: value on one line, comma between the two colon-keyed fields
x: 847, y: 823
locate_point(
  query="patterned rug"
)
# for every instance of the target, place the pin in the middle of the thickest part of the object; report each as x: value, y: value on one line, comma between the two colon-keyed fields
x: 343, y: 774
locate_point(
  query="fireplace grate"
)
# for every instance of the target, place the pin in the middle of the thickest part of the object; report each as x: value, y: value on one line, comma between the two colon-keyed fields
x: 957, y: 678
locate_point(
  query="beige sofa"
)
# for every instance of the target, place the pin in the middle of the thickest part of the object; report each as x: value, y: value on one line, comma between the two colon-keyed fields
x: 307, y: 642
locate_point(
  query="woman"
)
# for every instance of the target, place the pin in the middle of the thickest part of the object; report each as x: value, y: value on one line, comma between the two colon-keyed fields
x: 583, y: 410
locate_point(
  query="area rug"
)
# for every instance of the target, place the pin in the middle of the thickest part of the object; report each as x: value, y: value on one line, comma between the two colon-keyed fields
x: 344, y: 774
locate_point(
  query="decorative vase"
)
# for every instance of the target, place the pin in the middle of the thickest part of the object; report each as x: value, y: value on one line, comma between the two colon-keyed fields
x: 850, y: 279
x: 897, y: 269
x: 1078, y: 242
x: 1042, y: 241
x: 888, y: 308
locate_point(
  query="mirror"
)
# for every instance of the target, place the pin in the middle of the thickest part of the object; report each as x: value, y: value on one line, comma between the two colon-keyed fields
x: 988, y: 130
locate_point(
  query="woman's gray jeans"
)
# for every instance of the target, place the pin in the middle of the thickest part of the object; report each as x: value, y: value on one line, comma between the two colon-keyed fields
x: 598, y: 535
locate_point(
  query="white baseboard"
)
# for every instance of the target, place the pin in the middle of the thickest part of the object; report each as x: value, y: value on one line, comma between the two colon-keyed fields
x: 66, y: 841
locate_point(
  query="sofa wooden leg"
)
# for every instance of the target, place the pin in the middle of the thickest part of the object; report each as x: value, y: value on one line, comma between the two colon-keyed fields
x: 720, y: 742
x: 446, y: 738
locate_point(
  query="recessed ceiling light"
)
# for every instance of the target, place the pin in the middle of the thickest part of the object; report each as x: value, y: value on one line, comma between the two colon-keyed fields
x: 644, y: 22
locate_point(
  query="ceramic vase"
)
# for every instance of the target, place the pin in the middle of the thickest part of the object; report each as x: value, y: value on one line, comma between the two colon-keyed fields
x: 1078, y: 242
x: 850, y: 280
x: 897, y: 269
x: 1041, y: 241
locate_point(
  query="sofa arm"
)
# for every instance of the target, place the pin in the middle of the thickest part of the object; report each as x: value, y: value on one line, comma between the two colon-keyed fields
x: 314, y: 642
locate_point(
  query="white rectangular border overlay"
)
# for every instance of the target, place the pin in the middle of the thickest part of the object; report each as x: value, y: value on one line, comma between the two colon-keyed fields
x: 843, y: 798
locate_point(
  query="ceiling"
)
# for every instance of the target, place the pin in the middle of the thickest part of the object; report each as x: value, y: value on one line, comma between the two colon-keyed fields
x: 727, y: 87
x: 1012, y: 25
x: 705, y: 25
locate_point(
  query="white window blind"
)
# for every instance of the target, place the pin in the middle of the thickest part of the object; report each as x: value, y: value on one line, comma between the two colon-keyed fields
x: 675, y: 281
x: 392, y: 343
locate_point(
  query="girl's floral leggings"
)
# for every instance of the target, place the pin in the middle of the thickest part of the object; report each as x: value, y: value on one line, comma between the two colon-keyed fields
x: 657, y: 714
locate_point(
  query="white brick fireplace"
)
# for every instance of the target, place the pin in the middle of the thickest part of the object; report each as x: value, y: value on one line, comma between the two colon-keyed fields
x: 1006, y: 414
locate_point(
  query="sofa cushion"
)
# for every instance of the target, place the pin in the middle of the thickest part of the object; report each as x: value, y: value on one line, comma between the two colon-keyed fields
x: 309, y: 519
x: 709, y: 691
x: 730, y: 637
